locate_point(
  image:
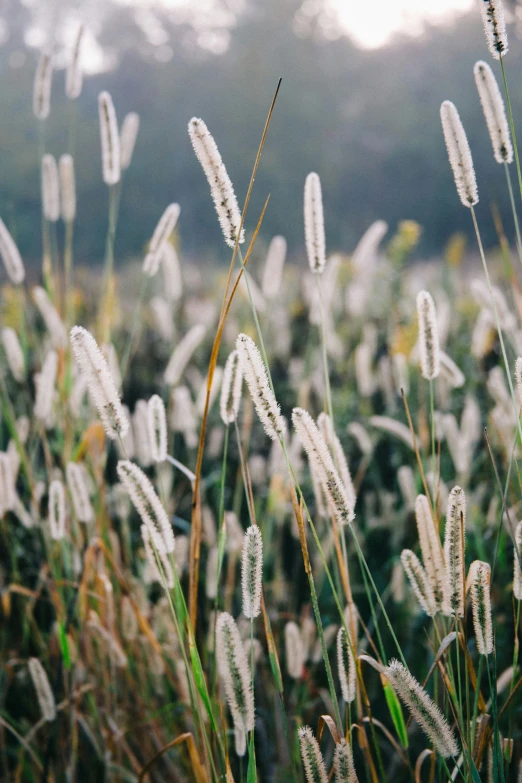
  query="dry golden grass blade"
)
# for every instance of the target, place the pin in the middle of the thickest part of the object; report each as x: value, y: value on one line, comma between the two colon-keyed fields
x: 90, y: 554
x: 481, y: 739
x: 326, y: 720
x: 55, y: 598
x: 420, y: 760
x: 6, y: 604
x: 92, y: 443
x: 302, y: 532
x: 230, y: 777
x: 15, y: 588
x: 363, y: 744
x: 376, y: 665
x: 196, y: 529
x: 195, y: 536
x: 199, y: 772
x: 391, y: 739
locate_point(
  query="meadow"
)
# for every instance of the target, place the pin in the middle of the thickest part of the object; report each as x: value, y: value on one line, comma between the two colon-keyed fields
x: 260, y: 521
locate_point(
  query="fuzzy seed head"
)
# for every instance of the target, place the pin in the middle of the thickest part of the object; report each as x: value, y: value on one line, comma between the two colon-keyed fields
x: 454, y: 546
x: 480, y: 579
x: 221, y: 188
x: 75, y: 475
x: 211, y: 574
x: 157, y: 425
x: 313, y: 762
x: 128, y: 135
x: 129, y: 621
x: 343, y: 763
x: 43, y: 690
x: 147, y: 504
x: 452, y: 374
x: 517, y: 576
x: 327, y: 430
x: 56, y: 510
x: 182, y: 354
x: 110, y: 139
x: 67, y: 188
x: 43, y: 404
x: 419, y: 581
x: 74, y: 73
x: 518, y: 379
x: 314, y: 223
x: 102, y: 389
x: 140, y: 429
x: 42, y: 86
x: 161, y: 235
x: 256, y: 377
x: 170, y: 267
x: 10, y: 256
x: 231, y: 389
x: 346, y: 665
x: 431, y: 549
x: 273, y: 271
x: 428, y: 336
x: 50, y: 189
x: 8, y: 494
x: 492, y: 12
x: 239, y: 740
x: 252, y: 572
x: 158, y: 562
x: 459, y: 153
x: 234, y: 672
x: 423, y: 708
x: 14, y: 353
x: 494, y: 111
x: 295, y: 652
x: 53, y: 322
x: 321, y: 462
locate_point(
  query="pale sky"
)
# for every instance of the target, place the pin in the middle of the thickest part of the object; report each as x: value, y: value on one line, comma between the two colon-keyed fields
x: 372, y: 22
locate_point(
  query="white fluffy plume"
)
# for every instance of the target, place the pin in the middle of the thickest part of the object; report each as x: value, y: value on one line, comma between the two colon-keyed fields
x: 221, y: 188
x: 459, y: 154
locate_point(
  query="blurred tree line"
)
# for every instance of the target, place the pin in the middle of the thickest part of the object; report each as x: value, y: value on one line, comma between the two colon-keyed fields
x: 366, y: 121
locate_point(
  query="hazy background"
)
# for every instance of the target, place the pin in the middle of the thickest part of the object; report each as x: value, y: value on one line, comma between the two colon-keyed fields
x: 359, y: 104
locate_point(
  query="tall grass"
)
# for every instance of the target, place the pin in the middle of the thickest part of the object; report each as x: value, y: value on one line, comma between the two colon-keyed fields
x: 221, y: 592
